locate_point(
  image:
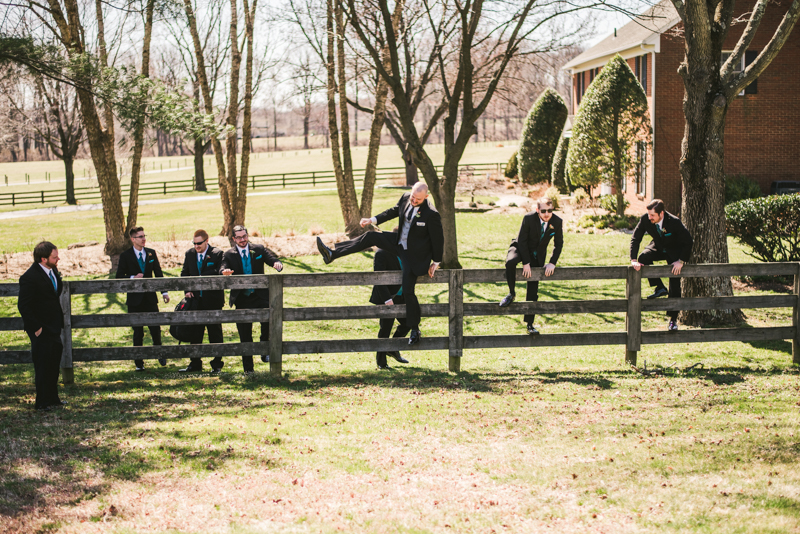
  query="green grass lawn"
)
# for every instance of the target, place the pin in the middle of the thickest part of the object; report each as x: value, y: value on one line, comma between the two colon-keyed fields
x: 521, y: 440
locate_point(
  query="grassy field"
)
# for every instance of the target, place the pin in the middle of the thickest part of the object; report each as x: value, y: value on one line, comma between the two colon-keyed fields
x: 522, y: 440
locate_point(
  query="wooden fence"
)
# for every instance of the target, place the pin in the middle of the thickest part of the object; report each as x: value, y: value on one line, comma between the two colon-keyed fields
x: 455, y: 310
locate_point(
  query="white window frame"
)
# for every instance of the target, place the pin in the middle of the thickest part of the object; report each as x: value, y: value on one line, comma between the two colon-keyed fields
x: 725, y: 55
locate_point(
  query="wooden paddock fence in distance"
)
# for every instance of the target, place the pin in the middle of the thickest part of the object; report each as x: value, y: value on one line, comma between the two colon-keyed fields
x: 455, y: 310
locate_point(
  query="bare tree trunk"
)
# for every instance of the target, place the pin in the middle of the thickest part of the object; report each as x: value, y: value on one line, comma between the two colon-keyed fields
x: 70, y: 179
x: 138, y: 130
x: 240, y: 199
x: 199, y: 170
x: 370, y: 172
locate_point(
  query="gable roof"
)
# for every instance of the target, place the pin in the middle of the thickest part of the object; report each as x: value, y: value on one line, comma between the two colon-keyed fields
x: 642, y: 30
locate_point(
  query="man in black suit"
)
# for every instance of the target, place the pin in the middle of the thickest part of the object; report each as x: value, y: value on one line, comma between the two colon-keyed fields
x: 39, y: 291
x: 205, y: 260
x: 249, y: 258
x: 141, y: 262
x: 530, y: 248
x: 388, y: 295
x: 419, y: 243
x: 671, y: 242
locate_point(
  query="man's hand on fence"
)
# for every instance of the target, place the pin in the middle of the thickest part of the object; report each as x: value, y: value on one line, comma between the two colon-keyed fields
x: 432, y: 269
x: 676, y: 267
x: 389, y: 302
x: 278, y: 266
x: 227, y: 272
x: 549, y: 269
x: 636, y: 265
x: 140, y: 275
x: 37, y: 332
x: 526, y: 270
x: 189, y: 294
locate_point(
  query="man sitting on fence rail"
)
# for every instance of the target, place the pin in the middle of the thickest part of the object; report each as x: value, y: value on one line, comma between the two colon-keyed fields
x: 205, y: 260
x: 388, y: 295
x: 671, y: 242
x: 249, y: 258
x: 141, y: 262
x: 419, y: 243
x: 530, y: 249
x: 43, y: 319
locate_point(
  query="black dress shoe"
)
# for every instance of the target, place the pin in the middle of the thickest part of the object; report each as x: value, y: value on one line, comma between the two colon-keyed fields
x: 215, y: 368
x: 507, y: 300
x: 532, y: 330
x: 660, y: 292
x: 163, y: 362
x: 190, y: 369
x: 327, y: 255
x: 139, y: 368
x: 59, y: 404
x: 265, y: 358
x: 396, y: 356
x: 414, y: 338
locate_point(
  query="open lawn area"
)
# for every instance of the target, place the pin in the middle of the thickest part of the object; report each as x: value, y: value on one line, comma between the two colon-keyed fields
x: 521, y: 440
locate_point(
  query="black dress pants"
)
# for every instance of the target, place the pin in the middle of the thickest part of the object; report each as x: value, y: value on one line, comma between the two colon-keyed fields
x: 385, y: 330
x: 512, y: 260
x: 648, y: 257
x: 214, y: 336
x: 388, y: 242
x: 138, y: 331
x: 251, y: 302
x: 46, y: 353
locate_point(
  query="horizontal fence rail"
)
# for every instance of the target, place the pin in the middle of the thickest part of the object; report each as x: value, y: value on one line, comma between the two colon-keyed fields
x: 455, y: 310
x: 278, y: 180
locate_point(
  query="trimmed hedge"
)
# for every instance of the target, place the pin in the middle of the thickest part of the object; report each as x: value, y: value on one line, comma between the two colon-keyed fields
x: 511, y: 167
x: 740, y: 187
x: 540, y: 135
x: 560, y: 176
x: 770, y: 226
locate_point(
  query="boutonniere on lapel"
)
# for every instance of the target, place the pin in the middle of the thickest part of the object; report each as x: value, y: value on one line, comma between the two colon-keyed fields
x: 418, y: 215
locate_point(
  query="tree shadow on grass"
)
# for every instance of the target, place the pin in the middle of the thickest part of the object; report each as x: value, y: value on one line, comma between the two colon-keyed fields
x: 777, y: 345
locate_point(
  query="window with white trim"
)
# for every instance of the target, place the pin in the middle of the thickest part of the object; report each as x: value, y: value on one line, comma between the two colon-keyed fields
x: 748, y: 57
x: 641, y: 168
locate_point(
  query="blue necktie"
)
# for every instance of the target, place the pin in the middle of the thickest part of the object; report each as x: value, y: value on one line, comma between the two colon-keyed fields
x: 55, y: 284
x: 401, y: 268
x: 248, y: 269
x: 140, y: 259
x: 544, y: 225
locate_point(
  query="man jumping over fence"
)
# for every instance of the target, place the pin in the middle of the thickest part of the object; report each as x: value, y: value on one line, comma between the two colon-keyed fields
x: 671, y: 242
x: 419, y: 243
x: 530, y: 249
x: 389, y: 296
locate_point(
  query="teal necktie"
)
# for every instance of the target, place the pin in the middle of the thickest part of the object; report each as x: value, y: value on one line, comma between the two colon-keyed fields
x: 200, y: 270
x: 248, y: 269
x: 140, y: 259
x: 544, y: 225
x: 55, y: 284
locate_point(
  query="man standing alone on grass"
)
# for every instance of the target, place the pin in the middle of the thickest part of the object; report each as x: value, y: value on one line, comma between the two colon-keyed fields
x: 530, y: 249
x: 388, y: 295
x: 671, y: 242
x: 43, y: 319
x: 204, y: 260
x: 249, y: 258
x: 419, y: 243
x: 141, y: 262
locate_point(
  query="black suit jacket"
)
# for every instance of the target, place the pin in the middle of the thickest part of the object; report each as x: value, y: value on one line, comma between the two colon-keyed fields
x: 530, y: 239
x: 129, y: 266
x: 384, y: 261
x: 677, y: 241
x: 425, y: 237
x: 259, y: 255
x: 212, y: 264
x: 38, y: 303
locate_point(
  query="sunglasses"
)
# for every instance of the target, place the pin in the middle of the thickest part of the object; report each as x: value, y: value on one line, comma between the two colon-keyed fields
x: 551, y: 210
x: 197, y: 244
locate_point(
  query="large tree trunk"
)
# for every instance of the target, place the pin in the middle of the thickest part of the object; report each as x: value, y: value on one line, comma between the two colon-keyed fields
x: 239, y: 207
x: 70, y: 179
x: 199, y: 171
x: 370, y: 172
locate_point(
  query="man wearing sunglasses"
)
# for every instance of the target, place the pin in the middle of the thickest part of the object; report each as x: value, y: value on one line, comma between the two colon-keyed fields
x: 249, y: 258
x: 204, y: 260
x: 141, y: 262
x: 530, y: 248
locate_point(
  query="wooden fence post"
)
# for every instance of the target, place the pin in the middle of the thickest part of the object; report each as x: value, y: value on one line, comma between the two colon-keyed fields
x: 456, y: 318
x: 67, y: 372
x: 633, y: 319
x: 795, y: 319
x: 276, y: 324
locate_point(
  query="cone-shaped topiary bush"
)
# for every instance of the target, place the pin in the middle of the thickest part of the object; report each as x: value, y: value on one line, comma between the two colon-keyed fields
x: 540, y: 135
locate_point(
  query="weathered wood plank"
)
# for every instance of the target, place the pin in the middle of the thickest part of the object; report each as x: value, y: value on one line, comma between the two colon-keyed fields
x: 362, y: 345
x: 339, y: 313
x: 721, y: 269
x: 11, y: 323
x: 796, y: 318
x: 473, y: 309
x: 719, y: 303
x: 9, y: 357
x: 718, y: 334
x: 9, y: 290
x: 364, y: 278
x: 473, y: 276
x: 102, y: 354
x: 276, y: 284
x: 183, y: 284
x: 456, y: 319
x: 110, y: 320
x: 67, y: 373
x: 548, y: 340
x: 633, y: 317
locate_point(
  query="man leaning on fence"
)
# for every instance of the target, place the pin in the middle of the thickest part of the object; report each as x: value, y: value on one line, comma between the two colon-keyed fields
x: 389, y: 296
x: 43, y: 319
x: 530, y: 248
x: 249, y: 258
x: 141, y: 262
x: 204, y: 260
x: 671, y: 242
